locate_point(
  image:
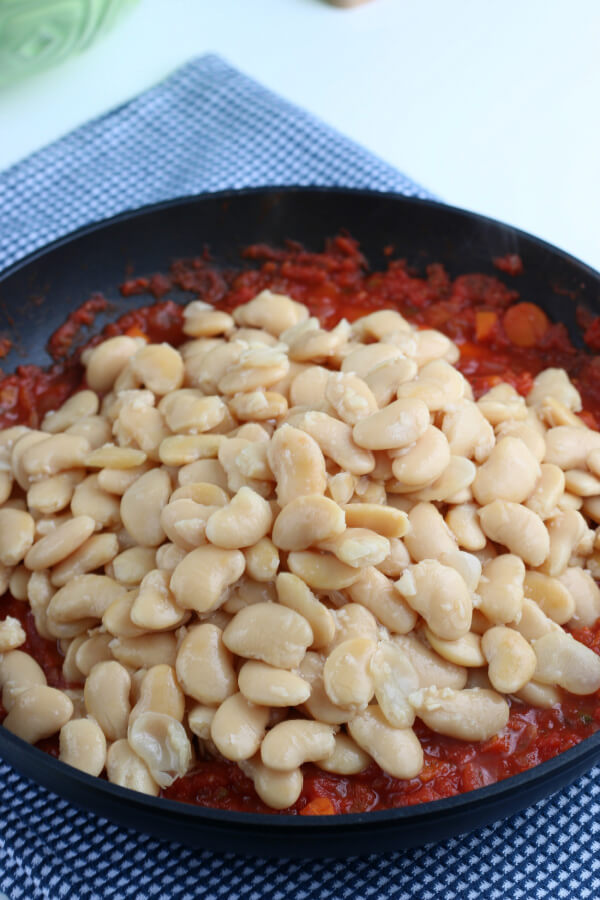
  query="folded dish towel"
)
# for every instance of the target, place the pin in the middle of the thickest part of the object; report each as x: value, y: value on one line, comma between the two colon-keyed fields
x: 205, y: 128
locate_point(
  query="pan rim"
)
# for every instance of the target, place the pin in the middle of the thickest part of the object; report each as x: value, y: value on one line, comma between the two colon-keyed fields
x: 376, y: 819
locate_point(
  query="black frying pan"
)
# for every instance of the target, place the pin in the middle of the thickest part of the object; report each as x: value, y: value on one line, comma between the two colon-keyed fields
x: 37, y: 294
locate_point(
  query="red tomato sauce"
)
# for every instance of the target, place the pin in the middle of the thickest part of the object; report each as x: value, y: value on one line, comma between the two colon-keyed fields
x: 501, y: 338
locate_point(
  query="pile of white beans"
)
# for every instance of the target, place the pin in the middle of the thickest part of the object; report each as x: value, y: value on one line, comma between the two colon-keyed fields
x: 281, y: 544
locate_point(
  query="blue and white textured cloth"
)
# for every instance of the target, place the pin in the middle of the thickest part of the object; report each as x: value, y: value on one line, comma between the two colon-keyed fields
x: 206, y: 128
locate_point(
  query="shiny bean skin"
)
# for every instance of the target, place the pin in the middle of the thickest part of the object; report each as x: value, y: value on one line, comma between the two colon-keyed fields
x: 200, y: 580
x: 291, y: 743
x: 17, y: 530
x: 511, y: 660
x: 396, y: 750
x: 274, y: 634
x: 295, y: 594
x: 97, y: 551
x: 440, y: 595
x: 563, y: 661
x: 306, y: 520
x: 83, y: 746
x: 297, y: 463
x: 59, y: 543
x: 397, y: 425
x: 347, y: 676
x: 238, y: 727
x: 205, y: 666
x: 520, y: 530
x: 162, y: 742
x: 38, y: 712
x: 142, y: 504
x: 472, y: 714
x: 106, y: 695
x: 125, y: 768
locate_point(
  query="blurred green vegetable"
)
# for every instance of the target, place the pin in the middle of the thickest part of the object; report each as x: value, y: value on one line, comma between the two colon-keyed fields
x: 36, y: 34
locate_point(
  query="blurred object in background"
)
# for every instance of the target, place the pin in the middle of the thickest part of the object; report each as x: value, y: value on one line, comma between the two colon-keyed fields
x: 347, y: 3
x: 37, y: 34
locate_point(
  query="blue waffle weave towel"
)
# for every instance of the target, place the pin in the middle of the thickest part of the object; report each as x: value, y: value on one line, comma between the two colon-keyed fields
x: 209, y: 127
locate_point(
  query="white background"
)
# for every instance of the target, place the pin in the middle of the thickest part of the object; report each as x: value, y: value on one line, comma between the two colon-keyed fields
x: 493, y: 106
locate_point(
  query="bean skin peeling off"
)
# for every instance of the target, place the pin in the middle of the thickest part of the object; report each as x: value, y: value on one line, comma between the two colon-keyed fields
x: 336, y: 528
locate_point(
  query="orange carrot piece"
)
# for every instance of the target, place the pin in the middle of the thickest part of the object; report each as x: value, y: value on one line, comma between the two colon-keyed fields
x: 525, y: 324
x: 485, y: 320
x: 320, y: 806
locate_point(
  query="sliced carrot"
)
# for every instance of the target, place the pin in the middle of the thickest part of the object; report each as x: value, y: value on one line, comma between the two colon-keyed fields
x: 320, y: 806
x: 525, y: 324
x: 485, y: 321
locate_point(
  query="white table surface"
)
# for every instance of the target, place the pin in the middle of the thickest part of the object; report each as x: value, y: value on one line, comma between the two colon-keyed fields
x: 494, y: 107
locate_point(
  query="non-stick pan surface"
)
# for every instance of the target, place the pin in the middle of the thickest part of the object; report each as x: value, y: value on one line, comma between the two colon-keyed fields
x: 37, y: 294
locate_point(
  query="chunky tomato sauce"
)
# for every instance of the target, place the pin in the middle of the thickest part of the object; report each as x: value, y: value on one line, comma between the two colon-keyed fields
x: 501, y: 338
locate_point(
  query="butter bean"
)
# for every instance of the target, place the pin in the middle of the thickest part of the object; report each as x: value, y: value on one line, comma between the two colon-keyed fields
x: 568, y: 447
x: 17, y: 530
x: 83, y: 403
x: 146, y: 650
x: 83, y: 746
x: 473, y: 714
x: 262, y: 560
x: 501, y: 588
x: 397, y: 425
x: 97, y: 551
x: 202, y: 319
x: 440, y: 595
x: 548, y: 491
x: 205, y: 666
x: 346, y: 759
x: 519, y: 529
x: 394, y: 678
x: 468, y: 432
x: 465, y: 651
x: 318, y: 704
x: 377, y: 593
x: 305, y: 521
x: 271, y: 633
x: 107, y: 360
x: 564, y: 661
x: 238, y: 727
x: 106, y: 695
x: 273, y: 312
x: 293, y: 593
x: 511, y: 660
x: 59, y: 543
x: 268, y: 686
x: 428, y: 534
x: 509, y: 473
x: 553, y: 597
x: 347, y: 677
x: 244, y: 521
x: 322, y: 572
x: 277, y: 789
x: 141, y: 506
x: 18, y: 671
x: 396, y: 750
x: 38, y: 712
x: 161, y: 741
x: 201, y: 579
x: 297, y: 463
x: 291, y: 743
x: 125, y: 768
x: 565, y: 531
x: 585, y: 595
x: 154, y: 608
